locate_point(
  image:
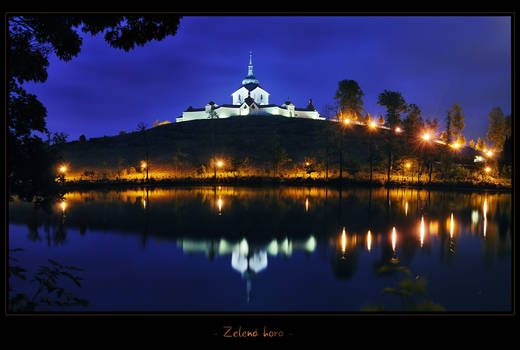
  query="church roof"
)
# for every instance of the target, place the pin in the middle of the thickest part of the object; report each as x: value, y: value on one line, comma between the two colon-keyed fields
x: 228, y: 106
x: 251, y: 86
x: 249, y: 100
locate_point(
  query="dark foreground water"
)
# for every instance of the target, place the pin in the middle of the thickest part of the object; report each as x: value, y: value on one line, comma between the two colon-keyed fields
x: 287, y: 249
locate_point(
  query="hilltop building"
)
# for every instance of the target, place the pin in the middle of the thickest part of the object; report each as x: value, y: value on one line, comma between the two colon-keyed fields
x: 250, y: 99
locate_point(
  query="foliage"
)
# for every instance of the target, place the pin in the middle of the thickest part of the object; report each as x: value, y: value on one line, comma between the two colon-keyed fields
x: 82, y: 138
x: 395, y: 105
x: 31, y: 40
x: 456, y: 120
x: 497, y: 129
x: 349, y: 98
x: 48, y: 289
x: 412, y: 292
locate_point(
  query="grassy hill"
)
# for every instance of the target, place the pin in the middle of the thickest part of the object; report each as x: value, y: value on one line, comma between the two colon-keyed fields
x: 186, y: 149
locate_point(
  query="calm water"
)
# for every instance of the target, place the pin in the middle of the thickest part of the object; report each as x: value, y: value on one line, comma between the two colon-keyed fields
x: 284, y: 249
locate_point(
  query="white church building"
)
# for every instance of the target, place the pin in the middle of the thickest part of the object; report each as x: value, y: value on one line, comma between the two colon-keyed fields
x: 250, y: 99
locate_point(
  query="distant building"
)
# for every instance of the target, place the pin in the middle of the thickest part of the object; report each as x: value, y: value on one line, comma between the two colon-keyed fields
x: 250, y: 99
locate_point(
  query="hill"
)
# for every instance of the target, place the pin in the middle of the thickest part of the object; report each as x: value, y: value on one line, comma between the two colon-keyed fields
x: 246, y: 146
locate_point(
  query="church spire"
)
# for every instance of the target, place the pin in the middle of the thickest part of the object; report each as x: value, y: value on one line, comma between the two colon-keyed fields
x: 250, y: 79
x: 250, y: 67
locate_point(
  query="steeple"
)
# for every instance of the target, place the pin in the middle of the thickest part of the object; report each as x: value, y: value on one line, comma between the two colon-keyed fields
x: 250, y: 67
x: 250, y: 79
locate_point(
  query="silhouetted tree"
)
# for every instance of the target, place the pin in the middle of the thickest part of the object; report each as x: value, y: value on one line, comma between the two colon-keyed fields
x: 497, y: 129
x: 31, y: 40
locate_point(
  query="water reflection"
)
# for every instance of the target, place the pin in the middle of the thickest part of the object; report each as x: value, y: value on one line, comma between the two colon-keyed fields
x: 252, y: 227
x: 248, y: 258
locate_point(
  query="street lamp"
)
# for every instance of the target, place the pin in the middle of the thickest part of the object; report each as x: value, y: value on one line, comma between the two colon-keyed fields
x: 489, y: 153
x: 488, y: 169
x: 220, y: 164
x: 397, y: 130
x: 426, y: 136
x: 372, y: 125
x: 63, y: 169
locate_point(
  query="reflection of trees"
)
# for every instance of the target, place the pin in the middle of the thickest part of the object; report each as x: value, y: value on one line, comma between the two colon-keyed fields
x: 344, y: 265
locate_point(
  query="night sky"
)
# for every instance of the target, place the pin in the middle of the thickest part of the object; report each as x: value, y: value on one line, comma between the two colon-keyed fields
x: 432, y: 61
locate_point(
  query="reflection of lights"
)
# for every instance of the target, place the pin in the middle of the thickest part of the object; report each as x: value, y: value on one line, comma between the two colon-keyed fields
x: 406, y: 208
x: 434, y: 227
x: 422, y: 231
x: 451, y: 226
x: 144, y: 203
x: 474, y: 217
x: 219, y: 202
x: 310, y: 245
x: 306, y: 204
x: 484, y: 210
x: 369, y: 240
x: 63, y: 206
x: 343, y: 241
x: 394, y: 238
x: 272, y: 248
x: 243, y: 247
x: 219, y: 188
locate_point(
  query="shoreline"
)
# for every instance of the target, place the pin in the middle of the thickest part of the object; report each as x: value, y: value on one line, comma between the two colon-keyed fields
x: 266, y: 181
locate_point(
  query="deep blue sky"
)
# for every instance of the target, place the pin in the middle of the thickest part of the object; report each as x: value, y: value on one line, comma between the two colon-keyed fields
x: 432, y: 61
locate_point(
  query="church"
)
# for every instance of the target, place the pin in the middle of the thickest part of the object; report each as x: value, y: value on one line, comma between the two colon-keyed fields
x: 249, y: 99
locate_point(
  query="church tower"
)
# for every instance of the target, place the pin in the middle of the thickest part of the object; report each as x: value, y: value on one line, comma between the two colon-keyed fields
x: 250, y: 87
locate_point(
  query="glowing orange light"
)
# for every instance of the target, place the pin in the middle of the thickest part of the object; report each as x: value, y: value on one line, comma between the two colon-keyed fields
x: 63, y: 206
x: 219, y: 203
x: 306, y: 204
x: 394, y: 239
x: 343, y: 241
x: 451, y: 226
x: 220, y: 163
x: 346, y: 121
x: 369, y: 240
x: 455, y: 145
x: 143, y: 165
x: 488, y: 169
x: 426, y: 137
x: 398, y: 130
x: 408, y: 165
x: 422, y: 231
x: 489, y: 153
x: 406, y: 208
x: 307, y: 163
x: 63, y: 168
x: 372, y: 125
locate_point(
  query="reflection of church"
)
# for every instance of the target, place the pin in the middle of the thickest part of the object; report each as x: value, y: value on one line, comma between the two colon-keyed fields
x: 250, y: 99
x: 248, y: 259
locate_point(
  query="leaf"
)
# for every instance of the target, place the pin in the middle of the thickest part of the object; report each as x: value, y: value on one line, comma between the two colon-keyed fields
x: 55, y: 262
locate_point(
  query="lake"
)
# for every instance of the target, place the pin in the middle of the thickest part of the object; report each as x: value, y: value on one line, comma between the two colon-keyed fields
x: 271, y: 249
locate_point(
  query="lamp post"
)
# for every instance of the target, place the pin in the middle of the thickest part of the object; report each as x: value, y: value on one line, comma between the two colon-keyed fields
x: 144, y: 166
x: 63, y: 170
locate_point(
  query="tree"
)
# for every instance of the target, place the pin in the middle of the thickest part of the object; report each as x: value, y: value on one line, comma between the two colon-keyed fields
x: 457, y: 120
x: 59, y: 138
x: 481, y: 145
x: 349, y: 98
x: 472, y: 143
x: 395, y: 105
x: 82, y: 138
x: 279, y: 156
x: 31, y: 40
x: 141, y: 128
x: 412, y: 125
x: 497, y: 129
